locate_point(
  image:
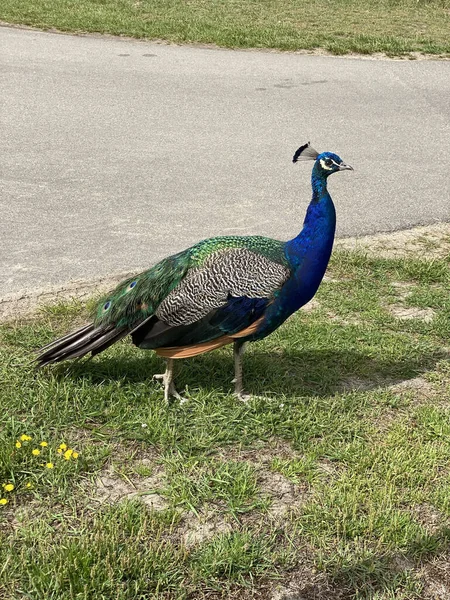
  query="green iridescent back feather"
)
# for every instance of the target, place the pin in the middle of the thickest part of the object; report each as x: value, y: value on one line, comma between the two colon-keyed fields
x: 138, y: 297
x: 271, y: 249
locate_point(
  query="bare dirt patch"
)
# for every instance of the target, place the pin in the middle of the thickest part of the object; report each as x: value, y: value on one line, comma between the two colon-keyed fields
x: 111, y: 489
x: 420, y: 387
x: 284, y: 494
x: 429, y: 517
x: 312, y: 305
x: 197, y: 529
x: 403, y: 289
x: 349, y: 321
x: 356, y: 384
x: 417, y: 390
x: 436, y: 578
x: 432, y: 241
x: 406, y: 313
x: 329, y: 468
x: 306, y: 583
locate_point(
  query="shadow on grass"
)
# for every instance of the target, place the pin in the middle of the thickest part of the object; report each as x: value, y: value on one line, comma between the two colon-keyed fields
x: 309, y: 373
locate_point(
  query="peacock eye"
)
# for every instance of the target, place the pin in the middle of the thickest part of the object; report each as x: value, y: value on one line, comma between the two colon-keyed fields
x: 328, y: 162
x: 129, y: 287
x: 106, y: 306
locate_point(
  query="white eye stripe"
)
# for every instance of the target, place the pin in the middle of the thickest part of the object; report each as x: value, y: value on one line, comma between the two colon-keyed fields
x: 326, y: 167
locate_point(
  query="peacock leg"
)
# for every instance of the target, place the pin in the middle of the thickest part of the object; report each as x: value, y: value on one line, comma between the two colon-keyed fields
x: 238, y: 350
x: 167, y: 381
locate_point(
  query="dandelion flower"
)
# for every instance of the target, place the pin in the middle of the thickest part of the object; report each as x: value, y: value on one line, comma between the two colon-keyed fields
x: 8, y: 487
x: 3, y: 501
x: 68, y: 453
x: 35, y: 452
x: 49, y: 465
x: 75, y: 455
x: 44, y: 444
x: 62, y: 446
x: 25, y: 438
x: 18, y: 444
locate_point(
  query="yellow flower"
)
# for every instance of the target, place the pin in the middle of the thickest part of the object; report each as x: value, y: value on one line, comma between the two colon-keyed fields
x: 25, y: 438
x: 35, y: 452
x: 49, y: 465
x: 59, y: 451
x: 75, y: 455
x: 68, y: 453
x: 3, y: 501
x: 8, y: 487
x: 44, y: 444
x: 18, y: 444
x: 29, y: 485
x: 62, y: 446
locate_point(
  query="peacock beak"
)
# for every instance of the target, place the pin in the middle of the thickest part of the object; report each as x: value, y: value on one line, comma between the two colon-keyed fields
x: 344, y: 167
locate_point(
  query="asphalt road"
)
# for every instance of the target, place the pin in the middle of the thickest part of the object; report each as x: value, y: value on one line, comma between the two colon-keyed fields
x: 115, y: 153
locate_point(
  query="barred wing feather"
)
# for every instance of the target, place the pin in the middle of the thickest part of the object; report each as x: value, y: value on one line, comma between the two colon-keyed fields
x: 236, y: 272
x: 229, y: 292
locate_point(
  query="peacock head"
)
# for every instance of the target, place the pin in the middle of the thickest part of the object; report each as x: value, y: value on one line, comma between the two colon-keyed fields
x: 325, y: 163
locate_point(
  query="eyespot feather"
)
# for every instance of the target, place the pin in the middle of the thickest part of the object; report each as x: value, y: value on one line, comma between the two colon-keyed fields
x: 130, y: 286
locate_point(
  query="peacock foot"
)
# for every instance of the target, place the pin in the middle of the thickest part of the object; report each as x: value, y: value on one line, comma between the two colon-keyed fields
x: 243, y: 397
x: 169, y: 388
x: 239, y: 392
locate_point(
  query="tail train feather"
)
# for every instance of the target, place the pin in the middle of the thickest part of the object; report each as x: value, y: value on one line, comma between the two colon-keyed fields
x: 79, y: 343
x: 66, y: 338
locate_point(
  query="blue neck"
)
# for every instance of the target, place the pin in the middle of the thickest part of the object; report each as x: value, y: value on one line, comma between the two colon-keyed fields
x: 316, y: 237
x: 308, y: 255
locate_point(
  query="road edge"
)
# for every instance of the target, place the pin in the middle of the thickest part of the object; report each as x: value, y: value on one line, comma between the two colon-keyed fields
x: 429, y: 241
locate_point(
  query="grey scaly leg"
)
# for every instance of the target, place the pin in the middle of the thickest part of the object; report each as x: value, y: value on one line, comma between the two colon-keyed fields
x: 238, y: 350
x: 167, y: 381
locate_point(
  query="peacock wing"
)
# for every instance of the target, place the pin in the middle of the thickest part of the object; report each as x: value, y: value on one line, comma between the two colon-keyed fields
x: 227, y: 293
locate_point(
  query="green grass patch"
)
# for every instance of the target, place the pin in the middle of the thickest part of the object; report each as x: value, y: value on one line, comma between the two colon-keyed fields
x: 394, y: 27
x: 338, y: 468
x: 231, y: 486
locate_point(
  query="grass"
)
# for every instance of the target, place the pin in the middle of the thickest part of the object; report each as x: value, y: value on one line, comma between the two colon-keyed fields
x: 395, y: 27
x: 335, y: 478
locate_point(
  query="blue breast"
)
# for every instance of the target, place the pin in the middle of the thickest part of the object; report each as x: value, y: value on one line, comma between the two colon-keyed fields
x: 308, y: 255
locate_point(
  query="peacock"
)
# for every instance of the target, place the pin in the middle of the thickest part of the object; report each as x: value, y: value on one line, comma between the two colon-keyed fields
x: 223, y: 290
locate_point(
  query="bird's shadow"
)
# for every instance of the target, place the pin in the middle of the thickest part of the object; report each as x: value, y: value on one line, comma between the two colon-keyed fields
x: 289, y: 373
